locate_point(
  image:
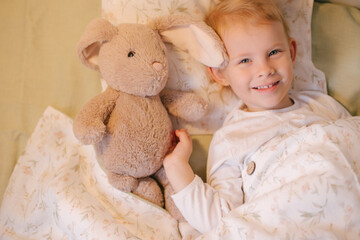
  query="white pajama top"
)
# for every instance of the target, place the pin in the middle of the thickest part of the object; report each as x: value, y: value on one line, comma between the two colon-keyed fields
x: 234, y: 171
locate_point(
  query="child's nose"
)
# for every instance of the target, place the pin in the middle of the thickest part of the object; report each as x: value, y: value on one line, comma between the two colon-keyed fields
x: 265, y: 69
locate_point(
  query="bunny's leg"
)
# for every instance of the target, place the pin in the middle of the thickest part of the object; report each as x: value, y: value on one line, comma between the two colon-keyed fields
x: 149, y: 190
x: 146, y: 188
x: 124, y: 183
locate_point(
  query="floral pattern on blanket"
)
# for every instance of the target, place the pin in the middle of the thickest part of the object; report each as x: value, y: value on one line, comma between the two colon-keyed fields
x: 305, y: 186
x: 58, y: 191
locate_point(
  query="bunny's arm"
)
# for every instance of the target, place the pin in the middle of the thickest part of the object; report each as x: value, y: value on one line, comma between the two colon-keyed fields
x: 184, y: 105
x: 89, y: 125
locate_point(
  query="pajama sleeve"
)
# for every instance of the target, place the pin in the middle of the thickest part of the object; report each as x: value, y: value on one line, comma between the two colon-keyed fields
x: 204, y: 204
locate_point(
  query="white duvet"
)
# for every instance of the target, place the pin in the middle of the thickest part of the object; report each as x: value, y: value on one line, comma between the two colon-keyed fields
x: 306, y: 187
x: 58, y: 191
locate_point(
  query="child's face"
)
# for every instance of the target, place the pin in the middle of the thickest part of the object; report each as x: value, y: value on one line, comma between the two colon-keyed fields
x: 260, y: 69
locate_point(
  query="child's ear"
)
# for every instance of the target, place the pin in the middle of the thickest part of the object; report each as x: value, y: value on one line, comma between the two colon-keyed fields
x: 218, y: 76
x: 293, y: 49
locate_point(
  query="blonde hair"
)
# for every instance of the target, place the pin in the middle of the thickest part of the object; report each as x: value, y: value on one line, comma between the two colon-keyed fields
x: 258, y: 10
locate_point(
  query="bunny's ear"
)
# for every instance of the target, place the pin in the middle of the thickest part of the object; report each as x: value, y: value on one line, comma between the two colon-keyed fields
x: 96, y: 33
x: 193, y: 36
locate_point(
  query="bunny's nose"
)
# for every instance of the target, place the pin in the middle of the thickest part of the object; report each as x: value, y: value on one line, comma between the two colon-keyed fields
x: 157, y: 66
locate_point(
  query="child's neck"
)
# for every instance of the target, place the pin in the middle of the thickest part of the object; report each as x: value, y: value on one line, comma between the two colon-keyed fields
x: 286, y: 104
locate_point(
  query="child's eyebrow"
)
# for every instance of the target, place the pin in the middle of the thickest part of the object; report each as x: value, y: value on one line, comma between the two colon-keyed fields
x: 279, y: 44
x: 239, y: 57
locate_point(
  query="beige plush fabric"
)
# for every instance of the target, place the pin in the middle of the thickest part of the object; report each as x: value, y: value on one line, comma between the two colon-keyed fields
x: 129, y: 122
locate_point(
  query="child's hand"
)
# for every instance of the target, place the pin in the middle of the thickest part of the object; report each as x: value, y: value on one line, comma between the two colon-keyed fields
x: 176, y: 163
x: 181, y: 146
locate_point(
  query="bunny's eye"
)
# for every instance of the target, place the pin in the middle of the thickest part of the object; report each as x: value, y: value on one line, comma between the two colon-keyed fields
x: 131, y: 54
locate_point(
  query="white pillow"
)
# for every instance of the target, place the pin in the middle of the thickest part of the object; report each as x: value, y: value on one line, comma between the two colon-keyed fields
x: 298, y: 16
x: 187, y: 74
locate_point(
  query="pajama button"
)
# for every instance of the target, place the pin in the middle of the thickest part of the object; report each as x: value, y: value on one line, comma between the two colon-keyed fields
x: 251, y: 168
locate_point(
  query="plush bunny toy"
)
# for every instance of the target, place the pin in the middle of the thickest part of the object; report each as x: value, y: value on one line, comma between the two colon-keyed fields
x: 129, y: 123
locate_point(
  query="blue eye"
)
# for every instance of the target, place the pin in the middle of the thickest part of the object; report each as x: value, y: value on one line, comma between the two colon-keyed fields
x: 273, y: 52
x: 246, y: 60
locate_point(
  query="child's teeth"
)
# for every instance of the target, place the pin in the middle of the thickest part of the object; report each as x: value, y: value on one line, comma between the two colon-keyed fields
x: 264, y: 87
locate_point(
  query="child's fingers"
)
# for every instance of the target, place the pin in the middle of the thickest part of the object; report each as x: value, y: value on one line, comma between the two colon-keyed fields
x: 174, y: 138
x: 181, y: 131
x: 184, y: 137
x: 182, y: 134
x: 180, y: 150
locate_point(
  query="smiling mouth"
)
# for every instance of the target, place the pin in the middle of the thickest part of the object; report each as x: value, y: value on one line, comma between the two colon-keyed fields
x: 267, y: 86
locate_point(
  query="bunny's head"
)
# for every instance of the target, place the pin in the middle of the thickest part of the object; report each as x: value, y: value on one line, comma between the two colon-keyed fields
x: 132, y: 57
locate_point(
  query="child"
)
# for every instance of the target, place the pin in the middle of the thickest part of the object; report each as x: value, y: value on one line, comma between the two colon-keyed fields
x: 260, y: 72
